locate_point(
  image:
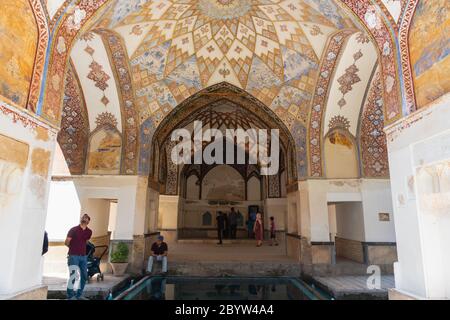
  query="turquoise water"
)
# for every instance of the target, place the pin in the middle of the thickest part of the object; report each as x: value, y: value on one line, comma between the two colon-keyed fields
x: 194, y: 288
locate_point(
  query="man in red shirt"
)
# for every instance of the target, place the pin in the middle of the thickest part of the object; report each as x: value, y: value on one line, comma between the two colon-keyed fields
x: 76, y: 240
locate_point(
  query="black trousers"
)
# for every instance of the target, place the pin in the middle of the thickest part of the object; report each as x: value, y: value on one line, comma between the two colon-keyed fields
x: 220, y: 234
x: 233, y: 231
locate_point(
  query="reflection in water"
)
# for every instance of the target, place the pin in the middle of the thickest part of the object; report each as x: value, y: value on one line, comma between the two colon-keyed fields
x: 156, y: 289
x: 220, y: 289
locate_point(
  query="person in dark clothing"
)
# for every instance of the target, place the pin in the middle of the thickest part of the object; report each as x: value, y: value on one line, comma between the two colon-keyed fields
x: 273, y: 235
x: 159, y: 253
x: 45, y: 244
x: 76, y: 240
x: 220, y: 226
x: 226, y: 230
x: 233, y: 218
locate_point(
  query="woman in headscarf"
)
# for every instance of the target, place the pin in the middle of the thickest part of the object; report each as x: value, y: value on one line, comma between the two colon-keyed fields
x: 258, y: 230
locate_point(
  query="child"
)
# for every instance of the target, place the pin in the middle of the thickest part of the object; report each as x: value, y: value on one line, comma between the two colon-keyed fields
x: 273, y: 237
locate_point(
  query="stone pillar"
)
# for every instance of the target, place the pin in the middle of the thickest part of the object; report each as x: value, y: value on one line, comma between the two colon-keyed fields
x: 26, y: 152
x: 419, y: 159
x: 316, y: 247
x: 168, y: 216
x: 293, y: 223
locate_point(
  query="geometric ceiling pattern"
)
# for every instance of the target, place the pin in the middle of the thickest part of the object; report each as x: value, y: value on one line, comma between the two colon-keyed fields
x: 150, y: 56
x: 272, y: 50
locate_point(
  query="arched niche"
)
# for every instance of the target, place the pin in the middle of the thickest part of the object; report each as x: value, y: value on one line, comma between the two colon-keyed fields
x: 207, y: 219
x: 254, y: 189
x: 104, y: 152
x: 192, y: 188
x: 222, y: 106
x: 223, y: 183
x: 341, y: 155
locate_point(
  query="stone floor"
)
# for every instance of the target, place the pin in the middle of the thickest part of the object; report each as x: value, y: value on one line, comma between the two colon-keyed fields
x: 231, y: 250
x: 232, y: 258
x: 57, y: 285
x: 355, y: 287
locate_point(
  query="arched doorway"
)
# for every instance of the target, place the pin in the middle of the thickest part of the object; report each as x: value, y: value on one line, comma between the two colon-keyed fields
x: 191, y: 195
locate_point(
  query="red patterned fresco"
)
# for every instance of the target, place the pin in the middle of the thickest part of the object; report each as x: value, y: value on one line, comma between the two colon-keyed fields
x: 64, y: 36
x: 330, y: 59
x: 373, y: 139
x: 404, y: 56
x: 74, y: 134
x: 118, y: 54
x: 374, y: 22
x: 39, y: 63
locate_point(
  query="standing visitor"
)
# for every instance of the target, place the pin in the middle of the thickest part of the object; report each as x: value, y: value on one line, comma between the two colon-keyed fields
x: 233, y: 223
x: 220, y: 226
x: 273, y: 236
x: 226, y: 230
x: 76, y: 240
x: 258, y: 230
x: 250, y: 225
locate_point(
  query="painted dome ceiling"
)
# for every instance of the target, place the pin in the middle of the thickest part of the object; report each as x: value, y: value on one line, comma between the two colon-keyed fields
x: 151, y: 55
x: 226, y: 40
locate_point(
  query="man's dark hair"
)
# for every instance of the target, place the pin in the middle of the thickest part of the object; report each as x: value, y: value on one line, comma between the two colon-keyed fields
x: 272, y: 218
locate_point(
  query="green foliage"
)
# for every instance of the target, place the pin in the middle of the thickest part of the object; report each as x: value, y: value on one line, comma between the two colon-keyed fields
x: 120, y: 254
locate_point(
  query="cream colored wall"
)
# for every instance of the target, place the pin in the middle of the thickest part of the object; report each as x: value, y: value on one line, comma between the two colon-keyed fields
x: 112, y: 216
x: 168, y: 212
x: 23, y: 199
x: 129, y: 191
x: 341, y: 161
x: 423, y: 239
x: 350, y: 221
x: 294, y: 219
x: 254, y: 189
x: 152, y: 210
x: 332, y: 220
x: 314, y: 196
x: 278, y: 209
x: 98, y: 210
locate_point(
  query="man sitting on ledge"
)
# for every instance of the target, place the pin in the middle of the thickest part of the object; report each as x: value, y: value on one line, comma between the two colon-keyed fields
x: 159, y: 253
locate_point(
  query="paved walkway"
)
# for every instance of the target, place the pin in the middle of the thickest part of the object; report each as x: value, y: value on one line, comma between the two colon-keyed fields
x: 354, y: 287
x: 57, y: 285
x: 243, y: 250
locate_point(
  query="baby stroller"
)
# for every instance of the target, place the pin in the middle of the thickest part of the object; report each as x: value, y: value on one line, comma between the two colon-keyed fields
x: 93, y: 262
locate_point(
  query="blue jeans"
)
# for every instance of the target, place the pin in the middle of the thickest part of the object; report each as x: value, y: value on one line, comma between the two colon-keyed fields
x: 76, y: 264
x: 151, y: 259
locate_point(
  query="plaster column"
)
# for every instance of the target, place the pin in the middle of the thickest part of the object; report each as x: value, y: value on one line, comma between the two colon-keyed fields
x: 316, y: 247
x: 418, y: 145
x: 26, y: 151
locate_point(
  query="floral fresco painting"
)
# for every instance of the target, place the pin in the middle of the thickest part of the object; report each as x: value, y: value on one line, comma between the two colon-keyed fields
x: 429, y: 50
x: 18, y: 42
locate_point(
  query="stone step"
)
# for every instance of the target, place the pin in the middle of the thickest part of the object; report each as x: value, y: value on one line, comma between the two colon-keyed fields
x: 221, y: 268
x: 343, y: 269
x: 214, y: 241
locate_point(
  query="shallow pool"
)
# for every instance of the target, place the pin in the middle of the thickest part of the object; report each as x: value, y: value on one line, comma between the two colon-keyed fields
x: 194, y: 288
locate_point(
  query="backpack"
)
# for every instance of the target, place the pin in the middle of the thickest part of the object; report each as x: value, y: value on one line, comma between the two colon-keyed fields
x: 45, y: 245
